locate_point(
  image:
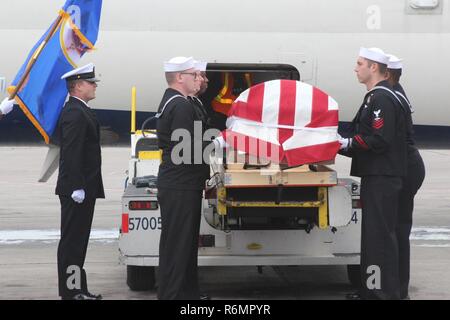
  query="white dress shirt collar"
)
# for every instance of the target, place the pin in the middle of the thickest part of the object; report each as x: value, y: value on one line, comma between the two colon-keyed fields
x: 81, y: 101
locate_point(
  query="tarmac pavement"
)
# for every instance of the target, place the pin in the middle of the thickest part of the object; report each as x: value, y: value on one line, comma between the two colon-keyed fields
x: 29, y: 224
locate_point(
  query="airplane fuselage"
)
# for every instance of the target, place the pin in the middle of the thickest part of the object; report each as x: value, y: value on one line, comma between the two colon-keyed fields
x: 320, y: 39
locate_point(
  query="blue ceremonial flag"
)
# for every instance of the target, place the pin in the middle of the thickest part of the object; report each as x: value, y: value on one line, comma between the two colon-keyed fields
x: 40, y: 92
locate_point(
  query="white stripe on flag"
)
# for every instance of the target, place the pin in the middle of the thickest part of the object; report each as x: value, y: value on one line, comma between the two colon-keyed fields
x: 271, y: 103
x: 332, y: 104
x: 243, y: 97
x: 253, y: 129
x: 303, y: 104
x: 307, y: 138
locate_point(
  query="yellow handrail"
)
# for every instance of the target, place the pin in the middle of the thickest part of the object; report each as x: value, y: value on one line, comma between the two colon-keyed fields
x: 133, y: 109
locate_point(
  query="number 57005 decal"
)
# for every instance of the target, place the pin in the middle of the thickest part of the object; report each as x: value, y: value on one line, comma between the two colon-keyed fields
x: 144, y: 223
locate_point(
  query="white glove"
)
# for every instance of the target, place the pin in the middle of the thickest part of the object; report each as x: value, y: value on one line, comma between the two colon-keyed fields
x: 345, y: 143
x: 6, y: 106
x: 220, y: 143
x: 78, y: 196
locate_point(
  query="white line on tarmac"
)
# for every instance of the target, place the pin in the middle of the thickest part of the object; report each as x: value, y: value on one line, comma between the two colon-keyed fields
x: 52, y: 235
x: 431, y: 234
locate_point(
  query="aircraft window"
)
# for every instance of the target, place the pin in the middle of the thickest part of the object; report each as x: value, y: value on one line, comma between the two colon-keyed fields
x: 430, y: 7
x: 424, y: 4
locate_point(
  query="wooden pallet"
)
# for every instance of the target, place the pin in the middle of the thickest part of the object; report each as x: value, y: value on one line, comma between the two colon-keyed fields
x: 242, y: 171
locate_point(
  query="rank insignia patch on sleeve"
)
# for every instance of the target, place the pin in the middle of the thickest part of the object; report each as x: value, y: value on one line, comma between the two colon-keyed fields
x: 378, y: 121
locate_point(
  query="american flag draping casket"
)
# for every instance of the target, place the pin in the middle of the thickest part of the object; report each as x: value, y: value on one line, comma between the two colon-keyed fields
x: 284, y: 121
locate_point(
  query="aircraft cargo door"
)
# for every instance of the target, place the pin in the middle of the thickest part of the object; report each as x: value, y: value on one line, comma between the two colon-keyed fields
x: 227, y: 81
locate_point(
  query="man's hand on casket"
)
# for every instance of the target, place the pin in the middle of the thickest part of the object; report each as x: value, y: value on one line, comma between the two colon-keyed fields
x: 220, y: 143
x: 345, y: 143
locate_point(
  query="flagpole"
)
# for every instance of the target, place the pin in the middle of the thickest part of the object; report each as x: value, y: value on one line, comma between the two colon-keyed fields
x: 35, y: 56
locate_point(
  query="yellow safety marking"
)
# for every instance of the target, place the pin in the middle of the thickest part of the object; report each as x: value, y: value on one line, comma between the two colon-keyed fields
x: 133, y: 109
x: 221, y: 201
x: 150, y: 155
x: 261, y: 204
x: 254, y: 246
x: 219, y: 97
x: 323, y: 209
x: 139, y: 132
x: 225, y: 86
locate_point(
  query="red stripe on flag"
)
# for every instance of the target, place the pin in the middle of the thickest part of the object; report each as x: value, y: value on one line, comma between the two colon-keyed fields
x: 253, y: 146
x: 319, y: 107
x: 125, y: 223
x: 237, y: 107
x: 312, y: 154
x: 252, y: 110
x: 287, y: 109
x: 321, y: 117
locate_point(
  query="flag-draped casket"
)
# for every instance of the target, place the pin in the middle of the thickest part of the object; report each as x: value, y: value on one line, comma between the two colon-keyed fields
x: 284, y: 121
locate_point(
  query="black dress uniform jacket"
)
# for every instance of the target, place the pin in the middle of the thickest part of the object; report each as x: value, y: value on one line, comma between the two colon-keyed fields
x: 408, y: 110
x: 378, y: 146
x: 410, y: 185
x: 378, y: 152
x: 181, y: 113
x: 78, y: 134
x: 200, y: 111
x: 180, y: 188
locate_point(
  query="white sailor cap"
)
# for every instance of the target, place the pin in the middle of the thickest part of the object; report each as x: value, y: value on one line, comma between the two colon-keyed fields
x: 200, y: 65
x: 374, y: 54
x: 394, y: 62
x: 86, y: 72
x: 179, y: 64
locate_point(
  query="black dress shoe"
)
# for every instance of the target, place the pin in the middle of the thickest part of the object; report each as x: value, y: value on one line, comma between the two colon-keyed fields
x: 204, y: 296
x: 94, y: 296
x: 353, y: 296
x: 83, y: 296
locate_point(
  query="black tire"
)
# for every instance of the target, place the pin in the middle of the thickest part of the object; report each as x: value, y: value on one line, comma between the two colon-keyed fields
x: 354, y: 275
x: 140, y: 278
